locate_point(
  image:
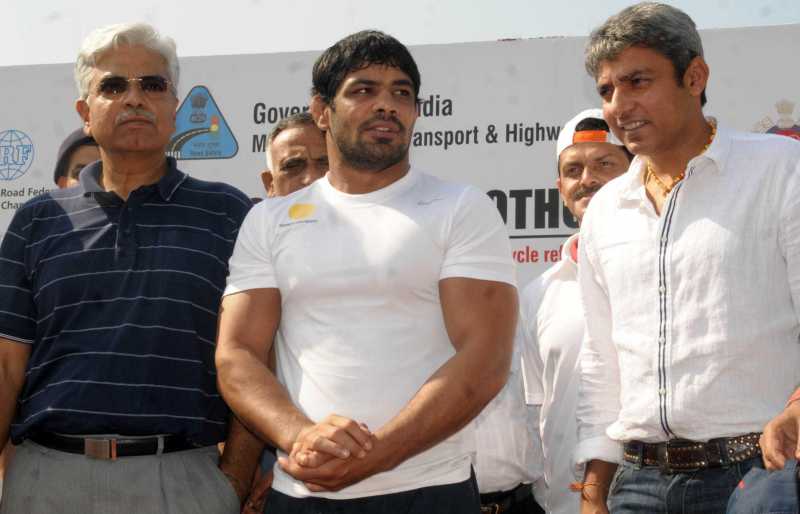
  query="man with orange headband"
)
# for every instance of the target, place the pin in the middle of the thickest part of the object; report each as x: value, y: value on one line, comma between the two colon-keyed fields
x: 588, y: 155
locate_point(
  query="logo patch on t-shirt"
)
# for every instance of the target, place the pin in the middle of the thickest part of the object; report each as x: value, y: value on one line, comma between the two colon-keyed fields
x: 300, y: 211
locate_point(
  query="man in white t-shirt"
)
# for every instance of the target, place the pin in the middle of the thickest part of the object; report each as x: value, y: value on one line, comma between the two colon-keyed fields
x: 588, y: 155
x: 389, y: 297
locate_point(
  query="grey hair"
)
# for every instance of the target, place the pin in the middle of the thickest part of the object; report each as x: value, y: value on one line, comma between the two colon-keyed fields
x: 659, y: 27
x: 299, y: 119
x: 110, y: 37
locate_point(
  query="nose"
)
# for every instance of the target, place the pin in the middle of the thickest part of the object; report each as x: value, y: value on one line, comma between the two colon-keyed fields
x: 618, y: 105
x: 385, y: 102
x: 588, y: 176
x: 133, y: 96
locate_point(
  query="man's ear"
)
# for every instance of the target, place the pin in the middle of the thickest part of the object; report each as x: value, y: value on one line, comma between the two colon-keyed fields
x: 266, y: 179
x: 83, y: 111
x: 696, y: 77
x: 320, y: 111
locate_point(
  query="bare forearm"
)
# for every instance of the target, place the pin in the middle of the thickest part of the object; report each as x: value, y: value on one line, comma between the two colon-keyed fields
x: 240, y: 457
x: 597, y: 480
x: 260, y: 402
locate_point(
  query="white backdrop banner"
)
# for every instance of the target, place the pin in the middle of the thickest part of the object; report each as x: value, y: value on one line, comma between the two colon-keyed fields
x: 490, y: 115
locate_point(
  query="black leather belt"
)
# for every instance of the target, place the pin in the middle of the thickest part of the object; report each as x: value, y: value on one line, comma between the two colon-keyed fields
x: 679, y: 455
x: 497, y: 503
x: 110, y: 448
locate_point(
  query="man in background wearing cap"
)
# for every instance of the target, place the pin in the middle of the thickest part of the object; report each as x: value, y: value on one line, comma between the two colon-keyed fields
x: 77, y: 151
x: 588, y: 155
x: 690, y: 280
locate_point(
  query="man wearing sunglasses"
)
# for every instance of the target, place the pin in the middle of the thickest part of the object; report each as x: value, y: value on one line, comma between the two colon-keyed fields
x: 108, y: 312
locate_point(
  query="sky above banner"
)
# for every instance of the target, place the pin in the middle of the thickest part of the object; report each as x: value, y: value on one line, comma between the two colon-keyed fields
x: 51, y: 32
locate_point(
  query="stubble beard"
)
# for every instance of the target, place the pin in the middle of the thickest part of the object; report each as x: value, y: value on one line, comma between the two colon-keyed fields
x: 365, y: 156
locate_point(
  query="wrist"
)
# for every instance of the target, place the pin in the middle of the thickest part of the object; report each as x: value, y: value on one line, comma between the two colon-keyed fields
x: 592, y: 492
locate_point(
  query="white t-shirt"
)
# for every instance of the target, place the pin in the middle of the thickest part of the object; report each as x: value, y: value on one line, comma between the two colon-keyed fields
x: 361, y: 326
x: 552, y: 319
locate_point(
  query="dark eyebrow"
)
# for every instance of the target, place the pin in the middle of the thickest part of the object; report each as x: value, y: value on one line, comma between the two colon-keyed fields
x: 369, y: 82
x: 363, y: 82
x: 627, y: 77
x: 602, y: 157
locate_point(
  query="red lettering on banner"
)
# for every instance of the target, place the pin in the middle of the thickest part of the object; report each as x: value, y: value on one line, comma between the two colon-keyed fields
x: 552, y: 255
x: 525, y: 255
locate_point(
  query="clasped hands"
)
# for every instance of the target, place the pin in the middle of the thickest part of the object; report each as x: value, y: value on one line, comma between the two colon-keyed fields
x: 332, y: 454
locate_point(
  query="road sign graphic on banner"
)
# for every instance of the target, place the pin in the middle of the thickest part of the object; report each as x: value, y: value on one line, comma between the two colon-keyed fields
x: 201, y: 131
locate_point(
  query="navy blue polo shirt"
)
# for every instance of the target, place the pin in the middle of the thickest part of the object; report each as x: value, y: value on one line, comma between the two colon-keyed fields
x: 119, y: 300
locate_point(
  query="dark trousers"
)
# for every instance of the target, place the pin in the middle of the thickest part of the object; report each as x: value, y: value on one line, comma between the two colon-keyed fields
x: 519, y: 500
x: 649, y: 490
x: 460, y: 498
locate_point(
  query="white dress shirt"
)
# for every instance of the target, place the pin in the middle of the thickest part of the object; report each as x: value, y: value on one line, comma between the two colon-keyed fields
x: 552, y: 318
x: 692, y: 315
x: 509, y: 449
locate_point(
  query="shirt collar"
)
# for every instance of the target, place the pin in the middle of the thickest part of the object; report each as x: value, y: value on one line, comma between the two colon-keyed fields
x: 719, y: 149
x: 632, y: 189
x: 89, y: 179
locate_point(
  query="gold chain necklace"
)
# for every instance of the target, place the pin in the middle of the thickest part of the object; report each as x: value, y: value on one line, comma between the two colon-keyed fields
x: 667, y: 188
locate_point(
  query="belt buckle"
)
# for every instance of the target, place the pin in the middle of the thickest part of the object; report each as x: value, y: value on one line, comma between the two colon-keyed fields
x: 492, y: 508
x: 103, y: 449
x: 663, y: 457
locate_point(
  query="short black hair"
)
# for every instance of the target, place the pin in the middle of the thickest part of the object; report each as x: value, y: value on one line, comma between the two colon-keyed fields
x: 355, y: 52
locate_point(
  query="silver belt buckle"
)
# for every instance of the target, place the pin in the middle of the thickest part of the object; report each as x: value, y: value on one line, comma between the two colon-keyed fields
x: 103, y: 449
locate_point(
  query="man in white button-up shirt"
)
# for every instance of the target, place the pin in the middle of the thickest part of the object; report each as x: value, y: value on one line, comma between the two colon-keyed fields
x: 690, y: 278
x: 588, y: 156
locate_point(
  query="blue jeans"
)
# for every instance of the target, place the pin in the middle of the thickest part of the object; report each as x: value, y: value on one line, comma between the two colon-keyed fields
x: 646, y: 490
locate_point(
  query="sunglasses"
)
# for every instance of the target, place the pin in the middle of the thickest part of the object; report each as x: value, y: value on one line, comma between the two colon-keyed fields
x: 151, y: 85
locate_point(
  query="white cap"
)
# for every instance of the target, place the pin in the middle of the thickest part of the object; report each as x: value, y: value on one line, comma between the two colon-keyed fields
x: 567, y: 136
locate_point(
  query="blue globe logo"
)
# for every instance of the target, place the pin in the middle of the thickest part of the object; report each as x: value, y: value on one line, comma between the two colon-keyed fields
x: 16, y: 154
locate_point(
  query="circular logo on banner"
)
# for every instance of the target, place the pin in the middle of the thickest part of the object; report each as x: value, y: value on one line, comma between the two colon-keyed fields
x: 16, y: 154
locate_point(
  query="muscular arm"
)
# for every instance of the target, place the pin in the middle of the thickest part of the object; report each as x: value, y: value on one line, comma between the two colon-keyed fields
x: 13, y: 360
x: 480, y: 317
x: 247, y: 325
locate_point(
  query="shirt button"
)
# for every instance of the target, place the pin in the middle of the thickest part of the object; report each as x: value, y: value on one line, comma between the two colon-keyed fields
x: 662, y: 392
x: 662, y: 339
x: 663, y: 239
x: 662, y: 289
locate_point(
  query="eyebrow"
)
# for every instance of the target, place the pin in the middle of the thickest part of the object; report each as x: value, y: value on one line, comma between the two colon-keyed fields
x: 370, y: 82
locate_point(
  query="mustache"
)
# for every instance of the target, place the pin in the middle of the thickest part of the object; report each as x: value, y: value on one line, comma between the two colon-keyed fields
x: 585, y: 191
x: 135, y: 113
x: 384, y: 118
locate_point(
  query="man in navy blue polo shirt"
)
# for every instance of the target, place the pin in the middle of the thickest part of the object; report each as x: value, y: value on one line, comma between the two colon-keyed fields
x: 109, y: 293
